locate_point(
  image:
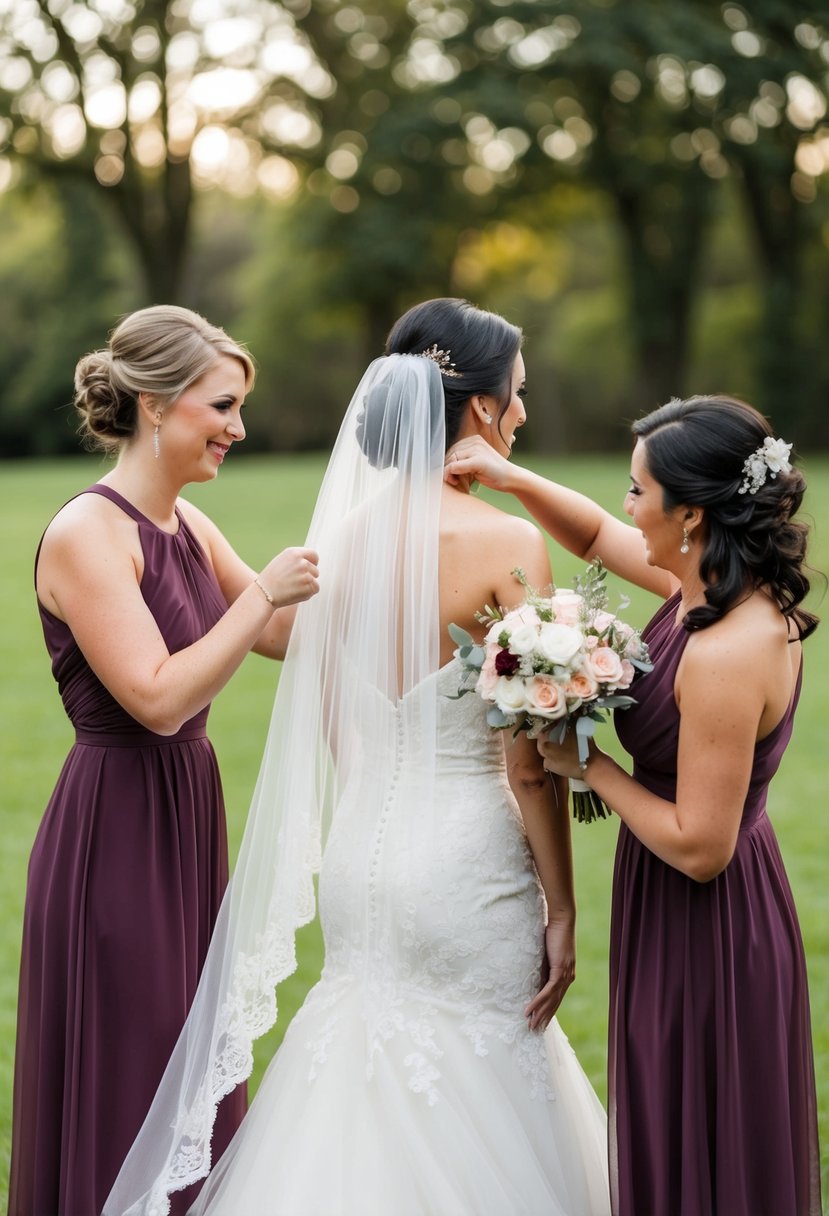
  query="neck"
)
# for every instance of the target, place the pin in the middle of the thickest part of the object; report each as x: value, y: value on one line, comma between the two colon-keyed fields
x: 692, y: 591
x: 143, y: 482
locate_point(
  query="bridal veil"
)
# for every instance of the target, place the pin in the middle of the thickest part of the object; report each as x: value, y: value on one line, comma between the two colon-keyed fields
x: 369, y: 638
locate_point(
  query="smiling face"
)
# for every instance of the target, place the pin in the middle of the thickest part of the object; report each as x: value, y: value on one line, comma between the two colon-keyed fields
x: 501, y: 432
x: 644, y: 503
x: 198, y: 429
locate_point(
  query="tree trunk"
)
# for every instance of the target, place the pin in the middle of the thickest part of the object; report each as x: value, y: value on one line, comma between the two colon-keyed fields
x: 777, y: 221
x: 663, y: 254
x: 156, y: 212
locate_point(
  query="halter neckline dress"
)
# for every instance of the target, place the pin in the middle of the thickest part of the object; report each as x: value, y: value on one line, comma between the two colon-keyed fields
x: 126, y: 876
x: 712, y: 1103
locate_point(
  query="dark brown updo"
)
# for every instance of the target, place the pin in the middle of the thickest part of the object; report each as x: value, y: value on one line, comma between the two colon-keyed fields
x: 697, y: 450
x: 160, y: 351
x: 482, y: 346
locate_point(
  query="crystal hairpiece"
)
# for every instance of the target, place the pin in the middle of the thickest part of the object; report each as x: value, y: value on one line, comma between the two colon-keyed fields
x: 441, y: 357
x: 771, y: 458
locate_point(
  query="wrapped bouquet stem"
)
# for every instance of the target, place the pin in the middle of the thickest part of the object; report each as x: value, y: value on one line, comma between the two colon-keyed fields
x: 555, y: 663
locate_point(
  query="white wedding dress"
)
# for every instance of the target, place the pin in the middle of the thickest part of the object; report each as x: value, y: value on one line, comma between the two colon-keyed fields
x: 408, y: 1083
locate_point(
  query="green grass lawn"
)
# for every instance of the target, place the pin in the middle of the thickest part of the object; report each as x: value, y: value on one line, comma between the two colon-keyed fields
x: 264, y: 504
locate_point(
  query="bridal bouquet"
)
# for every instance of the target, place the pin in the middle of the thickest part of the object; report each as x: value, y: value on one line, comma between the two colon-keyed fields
x: 555, y: 663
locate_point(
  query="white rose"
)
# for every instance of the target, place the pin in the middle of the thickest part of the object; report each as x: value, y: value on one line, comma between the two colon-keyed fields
x: 559, y: 644
x: 525, y: 615
x: 523, y: 639
x: 510, y: 695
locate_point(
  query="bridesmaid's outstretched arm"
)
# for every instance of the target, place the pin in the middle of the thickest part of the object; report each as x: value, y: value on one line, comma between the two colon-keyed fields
x: 575, y: 521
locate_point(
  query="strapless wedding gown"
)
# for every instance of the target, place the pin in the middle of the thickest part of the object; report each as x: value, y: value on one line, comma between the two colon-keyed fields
x: 408, y: 1083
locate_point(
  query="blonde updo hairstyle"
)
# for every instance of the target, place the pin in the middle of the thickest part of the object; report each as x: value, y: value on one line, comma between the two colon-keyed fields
x: 160, y: 351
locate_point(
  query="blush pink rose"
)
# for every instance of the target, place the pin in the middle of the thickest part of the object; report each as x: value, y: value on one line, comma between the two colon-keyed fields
x: 634, y: 648
x: 581, y: 687
x: 604, y: 665
x: 602, y: 620
x: 566, y: 605
x: 628, y: 672
x: 488, y: 676
x: 546, y: 698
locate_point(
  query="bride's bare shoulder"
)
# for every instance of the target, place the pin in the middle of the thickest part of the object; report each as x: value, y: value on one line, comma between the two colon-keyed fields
x: 478, y: 536
x: 474, y: 517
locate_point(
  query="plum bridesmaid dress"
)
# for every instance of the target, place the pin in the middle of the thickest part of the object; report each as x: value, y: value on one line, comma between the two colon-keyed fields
x: 125, y: 880
x: 711, y: 1078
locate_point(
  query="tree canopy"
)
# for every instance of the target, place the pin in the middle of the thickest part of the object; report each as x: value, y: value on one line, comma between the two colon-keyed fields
x: 396, y: 140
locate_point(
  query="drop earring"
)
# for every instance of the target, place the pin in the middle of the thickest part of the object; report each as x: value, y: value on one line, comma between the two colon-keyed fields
x: 156, y: 440
x: 684, y: 547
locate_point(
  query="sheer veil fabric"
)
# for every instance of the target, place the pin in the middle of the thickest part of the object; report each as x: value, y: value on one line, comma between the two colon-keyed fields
x: 370, y: 638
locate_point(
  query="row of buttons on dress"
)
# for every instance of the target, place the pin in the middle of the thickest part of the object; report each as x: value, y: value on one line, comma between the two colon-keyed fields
x: 382, y: 824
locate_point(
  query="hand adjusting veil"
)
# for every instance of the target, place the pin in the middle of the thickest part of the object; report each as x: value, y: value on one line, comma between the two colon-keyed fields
x: 359, y: 664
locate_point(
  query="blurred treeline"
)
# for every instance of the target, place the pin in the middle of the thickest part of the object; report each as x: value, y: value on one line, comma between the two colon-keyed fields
x: 641, y: 184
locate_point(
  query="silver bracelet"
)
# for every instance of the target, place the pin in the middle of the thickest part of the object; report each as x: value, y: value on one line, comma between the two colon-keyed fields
x: 265, y: 592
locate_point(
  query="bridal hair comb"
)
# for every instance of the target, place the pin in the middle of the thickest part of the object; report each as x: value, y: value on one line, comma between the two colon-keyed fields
x: 771, y: 458
x: 441, y: 357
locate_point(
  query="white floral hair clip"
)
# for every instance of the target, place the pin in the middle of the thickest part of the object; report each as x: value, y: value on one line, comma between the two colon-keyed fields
x: 771, y: 458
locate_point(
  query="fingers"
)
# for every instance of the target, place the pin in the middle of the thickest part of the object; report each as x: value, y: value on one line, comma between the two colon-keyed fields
x: 456, y: 466
x: 561, y: 757
x: 307, y: 573
x: 464, y: 458
x: 541, y: 1010
x: 294, y: 576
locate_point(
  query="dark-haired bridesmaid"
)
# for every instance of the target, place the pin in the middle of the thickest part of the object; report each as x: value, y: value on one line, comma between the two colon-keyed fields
x: 712, y: 1104
x: 146, y: 612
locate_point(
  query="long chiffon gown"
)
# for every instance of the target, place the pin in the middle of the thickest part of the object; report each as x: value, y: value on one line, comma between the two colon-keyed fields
x: 125, y: 880
x: 409, y: 1084
x: 711, y: 1076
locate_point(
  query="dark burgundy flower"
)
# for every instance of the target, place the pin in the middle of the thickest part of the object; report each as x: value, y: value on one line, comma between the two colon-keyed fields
x: 506, y: 664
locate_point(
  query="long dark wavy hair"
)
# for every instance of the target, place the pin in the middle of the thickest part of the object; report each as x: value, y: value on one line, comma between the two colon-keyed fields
x: 483, y: 349
x: 695, y: 450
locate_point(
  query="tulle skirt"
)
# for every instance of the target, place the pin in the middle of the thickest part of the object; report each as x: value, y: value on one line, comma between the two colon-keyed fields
x: 413, y: 1120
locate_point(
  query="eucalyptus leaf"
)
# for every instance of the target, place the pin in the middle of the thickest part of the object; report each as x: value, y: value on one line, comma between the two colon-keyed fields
x: 460, y: 636
x: 618, y: 701
x: 558, y: 731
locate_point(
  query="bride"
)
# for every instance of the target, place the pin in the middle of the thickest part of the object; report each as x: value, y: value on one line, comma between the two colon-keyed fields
x: 425, y: 1073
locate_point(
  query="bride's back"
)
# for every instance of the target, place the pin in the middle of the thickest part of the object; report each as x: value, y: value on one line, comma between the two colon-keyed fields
x: 480, y: 546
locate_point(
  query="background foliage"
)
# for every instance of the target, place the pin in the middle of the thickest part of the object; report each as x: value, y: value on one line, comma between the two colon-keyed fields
x: 640, y: 183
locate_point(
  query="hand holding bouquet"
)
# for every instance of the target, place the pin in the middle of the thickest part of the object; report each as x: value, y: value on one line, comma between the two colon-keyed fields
x: 554, y: 663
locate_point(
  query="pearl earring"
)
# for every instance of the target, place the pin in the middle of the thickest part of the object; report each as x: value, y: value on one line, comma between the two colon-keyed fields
x: 684, y: 547
x: 487, y: 418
